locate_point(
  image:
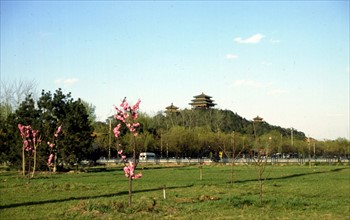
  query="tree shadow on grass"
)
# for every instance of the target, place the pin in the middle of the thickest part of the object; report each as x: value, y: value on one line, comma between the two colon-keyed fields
x: 293, y: 175
x: 87, y: 197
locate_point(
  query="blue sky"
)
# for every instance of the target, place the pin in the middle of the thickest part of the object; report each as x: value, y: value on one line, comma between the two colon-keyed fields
x: 286, y: 61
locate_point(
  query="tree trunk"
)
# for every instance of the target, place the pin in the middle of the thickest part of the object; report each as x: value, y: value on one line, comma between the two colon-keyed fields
x: 232, y: 165
x: 261, y: 191
x: 232, y: 168
x: 130, y: 177
x: 34, y: 163
x: 260, y: 184
x: 28, y: 170
x: 130, y: 191
x: 23, y: 162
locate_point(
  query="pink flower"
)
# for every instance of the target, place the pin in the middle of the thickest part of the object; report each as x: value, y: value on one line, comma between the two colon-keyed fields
x: 131, y: 168
x: 126, y: 171
x: 120, y: 152
x: 25, y: 130
x: 129, y: 171
x: 135, y: 115
x: 125, y: 115
x: 21, y: 129
x: 26, y: 144
x: 124, y: 104
x: 120, y: 118
x: 35, y: 132
x: 116, y: 131
x: 137, y: 176
x: 59, y: 129
x: 50, y: 159
x: 136, y: 106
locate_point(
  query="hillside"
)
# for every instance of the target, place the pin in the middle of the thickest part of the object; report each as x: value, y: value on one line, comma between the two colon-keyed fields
x: 224, y: 120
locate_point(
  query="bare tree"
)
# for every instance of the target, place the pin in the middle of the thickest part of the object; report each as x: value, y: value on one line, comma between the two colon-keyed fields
x: 260, y: 162
x: 13, y: 93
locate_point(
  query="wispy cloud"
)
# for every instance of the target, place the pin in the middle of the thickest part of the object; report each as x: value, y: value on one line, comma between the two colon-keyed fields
x: 231, y: 56
x: 250, y: 83
x: 66, y: 82
x: 250, y: 40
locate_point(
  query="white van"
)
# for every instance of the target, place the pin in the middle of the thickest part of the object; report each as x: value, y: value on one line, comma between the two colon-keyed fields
x: 144, y: 156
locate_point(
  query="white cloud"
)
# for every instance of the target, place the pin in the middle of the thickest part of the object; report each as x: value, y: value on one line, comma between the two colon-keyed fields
x: 231, y: 56
x: 250, y: 40
x: 250, y: 83
x: 66, y: 82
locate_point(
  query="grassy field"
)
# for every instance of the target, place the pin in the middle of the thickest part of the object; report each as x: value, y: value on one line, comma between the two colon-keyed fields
x: 290, y: 192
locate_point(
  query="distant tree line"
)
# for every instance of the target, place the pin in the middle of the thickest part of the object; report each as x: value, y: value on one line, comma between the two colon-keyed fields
x: 186, y: 133
x: 204, y: 132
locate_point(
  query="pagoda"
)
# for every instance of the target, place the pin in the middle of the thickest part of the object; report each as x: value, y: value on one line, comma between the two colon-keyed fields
x: 258, y: 119
x: 202, y: 101
x: 171, y: 109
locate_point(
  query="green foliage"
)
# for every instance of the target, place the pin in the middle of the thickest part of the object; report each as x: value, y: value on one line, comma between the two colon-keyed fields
x: 197, y: 132
x: 75, y: 145
x: 46, y: 115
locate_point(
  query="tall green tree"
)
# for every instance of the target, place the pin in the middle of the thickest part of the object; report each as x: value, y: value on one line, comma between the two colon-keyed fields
x: 76, y: 143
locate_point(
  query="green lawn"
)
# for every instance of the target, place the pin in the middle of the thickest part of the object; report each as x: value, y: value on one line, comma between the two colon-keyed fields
x: 290, y: 192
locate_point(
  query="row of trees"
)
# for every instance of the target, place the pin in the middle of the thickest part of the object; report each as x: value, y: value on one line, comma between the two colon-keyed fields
x: 206, y: 132
x: 187, y: 133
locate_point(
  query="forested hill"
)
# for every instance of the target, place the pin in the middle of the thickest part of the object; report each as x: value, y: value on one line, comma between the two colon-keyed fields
x: 224, y: 121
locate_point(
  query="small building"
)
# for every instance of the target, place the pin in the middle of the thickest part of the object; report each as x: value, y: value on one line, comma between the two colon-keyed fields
x: 171, y: 109
x: 202, y: 101
x: 258, y: 119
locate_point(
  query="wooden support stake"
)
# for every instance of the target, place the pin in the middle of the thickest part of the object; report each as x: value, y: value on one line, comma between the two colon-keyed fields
x: 164, y: 195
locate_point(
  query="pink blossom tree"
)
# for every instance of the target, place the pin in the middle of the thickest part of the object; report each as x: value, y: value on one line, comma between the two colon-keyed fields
x: 30, y: 140
x: 128, y: 115
x: 51, y: 162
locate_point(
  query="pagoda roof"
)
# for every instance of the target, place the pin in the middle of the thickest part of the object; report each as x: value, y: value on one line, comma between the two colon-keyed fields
x: 258, y: 119
x: 171, y: 108
x: 202, y: 96
x: 202, y: 101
